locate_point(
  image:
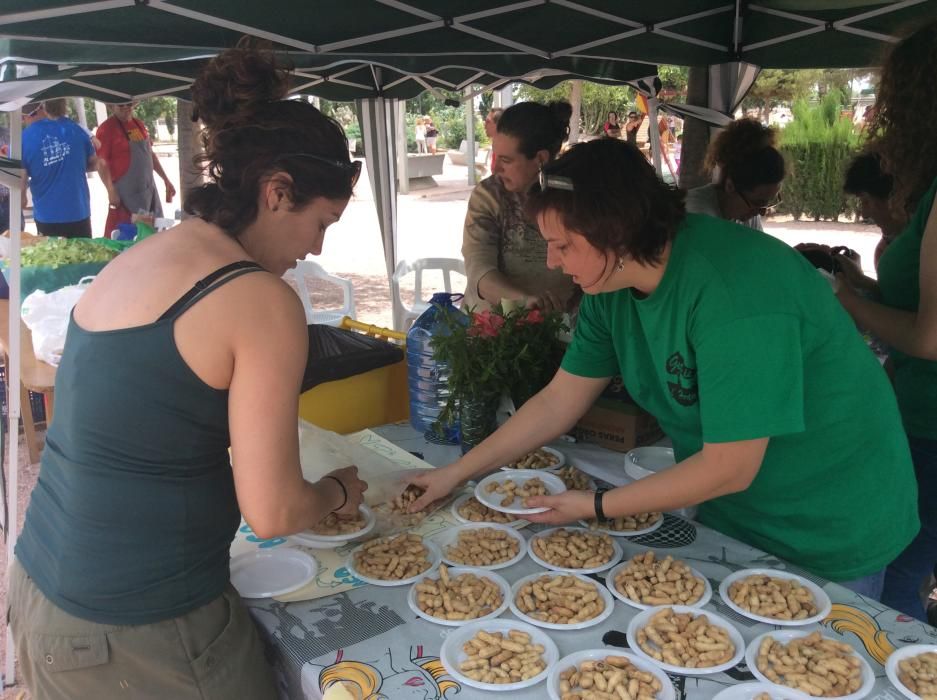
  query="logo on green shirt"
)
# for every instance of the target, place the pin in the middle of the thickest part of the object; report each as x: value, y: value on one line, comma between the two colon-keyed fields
x: 684, y: 390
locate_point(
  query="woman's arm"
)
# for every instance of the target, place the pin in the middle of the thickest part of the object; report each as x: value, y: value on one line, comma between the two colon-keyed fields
x: 270, y: 347
x: 913, y: 333
x: 717, y: 470
x: 547, y: 415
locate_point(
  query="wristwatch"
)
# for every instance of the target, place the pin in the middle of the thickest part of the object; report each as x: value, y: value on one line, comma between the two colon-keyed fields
x: 599, y: 512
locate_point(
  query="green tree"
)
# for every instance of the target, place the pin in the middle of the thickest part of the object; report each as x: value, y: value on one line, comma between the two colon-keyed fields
x: 152, y: 108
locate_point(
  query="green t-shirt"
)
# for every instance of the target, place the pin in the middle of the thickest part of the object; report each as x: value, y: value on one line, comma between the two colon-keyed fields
x: 741, y: 340
x: 898, y: 279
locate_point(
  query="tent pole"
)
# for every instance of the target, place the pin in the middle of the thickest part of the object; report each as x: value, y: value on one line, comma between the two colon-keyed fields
x: 13, y: 380
x: 469, y: 106
x: 654, y: 133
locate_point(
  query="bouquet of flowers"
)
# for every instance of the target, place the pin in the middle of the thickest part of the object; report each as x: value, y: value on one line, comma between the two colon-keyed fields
x: 515, y: 351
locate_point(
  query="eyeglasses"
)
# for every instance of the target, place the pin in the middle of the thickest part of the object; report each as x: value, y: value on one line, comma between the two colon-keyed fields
x: 555, y: 182
x: 353, y: 168
x: 761, y: 208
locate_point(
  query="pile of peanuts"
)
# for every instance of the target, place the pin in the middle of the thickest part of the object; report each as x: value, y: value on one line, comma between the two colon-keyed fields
x: 573, y: 549
x: 484, y: 546
x: 333, y: 524
x: 538, y: 459
x: 398, y: 507
x: 561, y: 600
x: 652, y: 581
x: 685, y: 640
x: 574, y: 479
x: 393, y: 558
x: 778, y: 598
x: 813, y: 664
x: 602, y: 678
x: 919, y: 674
x: 627, y: 523
x: 512, y: 490
x: 476, y: 512
x: 464, y: 597
x: 496, y: 658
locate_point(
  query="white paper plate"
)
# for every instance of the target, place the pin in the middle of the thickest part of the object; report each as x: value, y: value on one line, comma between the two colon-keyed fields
x: 435, y: 556
x: 265, y: 573
x: 610, y: 582
x: 642, y: 618
x: 553, y: 483
x: 457, y: 503
x: 666, y: 692
x: 458, y: 571
x: 752, y: 689
x: 785, y: 636
x: 822, y: 600
x: 891, y: 666
x: 451, y: 654
x: 603, y: 593
x: 450, y: 536
x: 308, y: 538
x: 616, y: 552
x: 627, y: 533
x: 552, y: 468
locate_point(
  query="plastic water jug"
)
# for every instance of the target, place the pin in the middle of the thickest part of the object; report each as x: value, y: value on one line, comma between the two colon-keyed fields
x: 427, y: 379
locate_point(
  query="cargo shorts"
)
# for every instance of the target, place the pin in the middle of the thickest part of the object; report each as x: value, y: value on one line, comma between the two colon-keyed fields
x: 211, y: 653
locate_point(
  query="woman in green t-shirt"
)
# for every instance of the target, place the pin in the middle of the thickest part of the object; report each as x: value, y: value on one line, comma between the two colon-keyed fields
x: 783, y: 424
x: 905, y: 315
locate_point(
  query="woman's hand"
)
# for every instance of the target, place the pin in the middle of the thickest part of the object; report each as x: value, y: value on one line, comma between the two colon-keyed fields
x: 566, y: 507
x: 548, y: 301
x: 354, y: 490
x: 436, y: 484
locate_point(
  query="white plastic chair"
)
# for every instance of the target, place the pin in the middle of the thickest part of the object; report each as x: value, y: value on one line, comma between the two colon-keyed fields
x: 405, y: 315
x: 306, y: 270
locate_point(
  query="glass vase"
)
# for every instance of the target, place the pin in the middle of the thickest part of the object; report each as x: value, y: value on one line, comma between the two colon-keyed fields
x: 477, y: 419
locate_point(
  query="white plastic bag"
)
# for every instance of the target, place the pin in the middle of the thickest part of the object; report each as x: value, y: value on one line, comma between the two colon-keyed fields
x: 46, y: 315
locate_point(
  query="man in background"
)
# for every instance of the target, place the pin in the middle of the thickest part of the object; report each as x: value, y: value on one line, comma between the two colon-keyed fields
x: 632, y: 126
x: 57, y: 153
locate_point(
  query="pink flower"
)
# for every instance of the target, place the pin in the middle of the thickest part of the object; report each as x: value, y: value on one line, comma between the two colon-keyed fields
x: 486, y: 324
x: 534, y: 316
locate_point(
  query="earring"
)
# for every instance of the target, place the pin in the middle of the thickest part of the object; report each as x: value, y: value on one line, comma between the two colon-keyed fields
x: 620, y: 266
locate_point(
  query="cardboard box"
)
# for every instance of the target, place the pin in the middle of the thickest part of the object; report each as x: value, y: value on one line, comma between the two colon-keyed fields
x: 616, y: 422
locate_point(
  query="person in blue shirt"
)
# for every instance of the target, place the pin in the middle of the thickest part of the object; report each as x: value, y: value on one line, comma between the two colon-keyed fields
x: 56, y: 155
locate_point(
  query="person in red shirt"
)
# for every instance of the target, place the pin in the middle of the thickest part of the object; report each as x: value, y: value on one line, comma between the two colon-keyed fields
x: 127, y: 149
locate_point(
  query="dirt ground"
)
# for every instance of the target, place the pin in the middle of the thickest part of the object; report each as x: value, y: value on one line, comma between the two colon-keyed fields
x: 430, y: 225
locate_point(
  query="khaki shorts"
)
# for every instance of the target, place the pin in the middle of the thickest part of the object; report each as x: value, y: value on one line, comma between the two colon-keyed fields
x: 211, y: 653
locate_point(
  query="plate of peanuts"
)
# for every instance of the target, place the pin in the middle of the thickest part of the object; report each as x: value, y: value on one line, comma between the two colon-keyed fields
x: 334, y: 530
x: 810, y: 663
x: 685, y: 640
x: 645, y: 581
x: 398, y: 560
x: 508, y: 490
x: 627, y: 525
x: 541, y: 458
x: 456, y: 595
x: 913, y: 671
x: 776, y: 597
x: 468, y: 509
x: 586, y: 673
x: 482, y: 545
x: 499, y: 655
x: 560, y: 601
x: 574, y: 549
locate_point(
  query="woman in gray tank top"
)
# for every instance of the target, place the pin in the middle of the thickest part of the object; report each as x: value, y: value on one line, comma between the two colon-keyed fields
x: 184, y: 345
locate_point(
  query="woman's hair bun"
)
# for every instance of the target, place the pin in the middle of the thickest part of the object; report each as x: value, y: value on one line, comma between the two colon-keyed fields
x: 237, y: 83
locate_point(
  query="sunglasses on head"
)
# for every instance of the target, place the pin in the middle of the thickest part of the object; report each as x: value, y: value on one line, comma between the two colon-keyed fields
x: 555, y: 182
x: 353, y: 168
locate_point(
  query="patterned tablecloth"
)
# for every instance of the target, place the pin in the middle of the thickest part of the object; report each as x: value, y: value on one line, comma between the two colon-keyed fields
x: 368, y: 634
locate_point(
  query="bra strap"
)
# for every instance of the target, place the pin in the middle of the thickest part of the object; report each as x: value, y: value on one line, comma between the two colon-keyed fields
x: 208, y: 284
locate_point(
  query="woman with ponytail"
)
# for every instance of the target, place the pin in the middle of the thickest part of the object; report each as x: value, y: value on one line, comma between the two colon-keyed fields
x: 746, y: 169
x: 505, y: 255
x: 184, y: 345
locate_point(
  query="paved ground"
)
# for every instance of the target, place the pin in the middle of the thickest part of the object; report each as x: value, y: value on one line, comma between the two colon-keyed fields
x: 430, y: 225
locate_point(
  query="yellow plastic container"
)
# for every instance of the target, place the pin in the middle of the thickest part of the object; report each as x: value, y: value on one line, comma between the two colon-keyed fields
x: 365, y: 400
